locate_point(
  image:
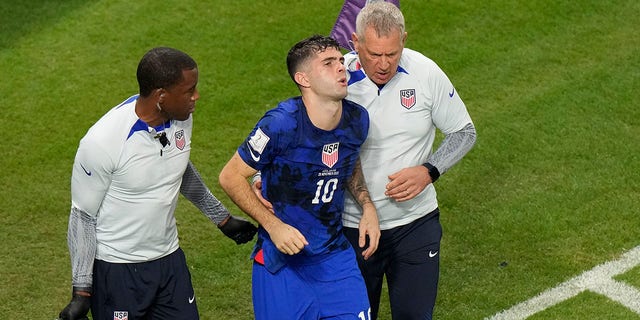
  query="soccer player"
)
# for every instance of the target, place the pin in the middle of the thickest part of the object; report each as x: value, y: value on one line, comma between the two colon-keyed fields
x: 307, y: 150
x: 123, y: 241
x: 408, y: 97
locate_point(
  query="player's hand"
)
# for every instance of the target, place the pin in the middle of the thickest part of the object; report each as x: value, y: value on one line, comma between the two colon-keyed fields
x: 238, y: 229
x: 257, y: 189
x: 407, y: 183
x: 79, y: 306
x: 287, y: 239
x: 369, y: 230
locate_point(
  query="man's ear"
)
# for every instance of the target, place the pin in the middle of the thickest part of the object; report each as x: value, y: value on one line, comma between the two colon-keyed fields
x: 354, y: 39
x: 159, y: 93
x: 301, y: 79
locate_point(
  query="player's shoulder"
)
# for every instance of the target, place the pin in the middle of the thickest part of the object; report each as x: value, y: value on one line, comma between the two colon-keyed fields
x: 354, y: 108
x: 422, y: 69
x: 115, y: 125
x: 282, y: 118
x: 412, y: 59
x: 354, y: 113
x: 286, y: 112
x: 290, y: 106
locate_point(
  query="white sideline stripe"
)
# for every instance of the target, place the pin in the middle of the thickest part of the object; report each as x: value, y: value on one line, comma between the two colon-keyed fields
x: 598, y: 279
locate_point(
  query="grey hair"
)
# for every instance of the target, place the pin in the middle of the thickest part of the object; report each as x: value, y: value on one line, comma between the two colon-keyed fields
x: 383, y: 16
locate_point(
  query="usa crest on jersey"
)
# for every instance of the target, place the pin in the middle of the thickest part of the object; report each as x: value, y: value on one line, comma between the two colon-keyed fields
x: 408, y: 98
x: 120, y: 315
x: 330, y: 154
x: 180, y: 139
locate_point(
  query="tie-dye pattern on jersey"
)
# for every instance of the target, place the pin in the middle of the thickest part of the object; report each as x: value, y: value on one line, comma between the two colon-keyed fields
x: 304, y: 173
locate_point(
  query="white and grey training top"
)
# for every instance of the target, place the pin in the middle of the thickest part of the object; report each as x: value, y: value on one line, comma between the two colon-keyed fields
x: 124, y: 190
x: 404, y: 115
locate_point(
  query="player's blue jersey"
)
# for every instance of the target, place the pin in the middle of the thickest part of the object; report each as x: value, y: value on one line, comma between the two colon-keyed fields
x: 304, y: 174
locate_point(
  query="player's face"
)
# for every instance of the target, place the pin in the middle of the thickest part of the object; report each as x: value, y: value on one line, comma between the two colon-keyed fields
x: 327, y: 74
x: 380, y: 55
x: 179, y: 101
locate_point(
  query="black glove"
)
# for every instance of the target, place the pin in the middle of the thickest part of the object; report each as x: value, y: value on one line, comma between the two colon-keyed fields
x: 79, y: 306
x: 238, y: 229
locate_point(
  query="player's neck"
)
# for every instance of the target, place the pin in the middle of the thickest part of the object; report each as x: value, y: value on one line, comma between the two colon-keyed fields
x: 324, y: 114
x: 149, y: 113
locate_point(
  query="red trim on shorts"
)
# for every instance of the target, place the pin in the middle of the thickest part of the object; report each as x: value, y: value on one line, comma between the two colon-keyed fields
x: 259, y: 257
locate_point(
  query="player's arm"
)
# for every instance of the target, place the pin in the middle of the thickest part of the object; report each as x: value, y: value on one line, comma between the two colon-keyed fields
x: 369, y: 225
x: 234, y: 181
x: 453, y: 147
x: 81, y: 239
x: 449, y: 114
x: 409, y: 182
x: 90, y: 179
x: 256, y: 186
x: 194, y: 189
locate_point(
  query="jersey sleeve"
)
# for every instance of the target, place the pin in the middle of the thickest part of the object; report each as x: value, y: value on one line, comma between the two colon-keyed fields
x: 91, y: 176
x: 81, y: 239
x: 449, y: 112
x: 265, y: 140
x: 195, y: 190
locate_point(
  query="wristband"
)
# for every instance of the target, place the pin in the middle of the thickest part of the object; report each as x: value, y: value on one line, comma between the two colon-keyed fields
x: 82, y: 291
x: 433, y: 171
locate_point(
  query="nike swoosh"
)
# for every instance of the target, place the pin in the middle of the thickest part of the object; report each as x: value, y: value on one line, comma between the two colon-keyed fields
x: 192, y: 299
x: 255, y: 158
x: 453, y: 90
x: 85, y: 170
x: 432, y: 254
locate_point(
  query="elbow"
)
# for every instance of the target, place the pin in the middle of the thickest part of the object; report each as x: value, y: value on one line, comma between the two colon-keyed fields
x: 470, y: 130
x: 230, y: 179
x: 473, y: 139
x: 223, y: 179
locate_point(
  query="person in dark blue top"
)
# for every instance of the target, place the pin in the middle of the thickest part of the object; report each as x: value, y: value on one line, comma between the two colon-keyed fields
x: 307, y: 152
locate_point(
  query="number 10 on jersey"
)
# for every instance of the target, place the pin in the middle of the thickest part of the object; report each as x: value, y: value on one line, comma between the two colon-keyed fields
x: 325, y: 190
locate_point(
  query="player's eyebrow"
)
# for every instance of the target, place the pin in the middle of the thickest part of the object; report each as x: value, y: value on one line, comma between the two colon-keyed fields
x: 331, y: 59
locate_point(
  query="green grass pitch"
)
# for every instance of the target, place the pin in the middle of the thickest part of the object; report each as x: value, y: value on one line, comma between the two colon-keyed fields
x: 550, y: 191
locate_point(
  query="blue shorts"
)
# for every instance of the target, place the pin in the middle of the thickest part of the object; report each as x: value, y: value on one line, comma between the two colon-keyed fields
x: 159, y: 289
x: 332, y: 288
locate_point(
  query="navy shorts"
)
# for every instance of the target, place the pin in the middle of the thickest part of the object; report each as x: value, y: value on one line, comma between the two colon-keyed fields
x: 330, y: 289
x: 409, y: 256
x: 159, y: 289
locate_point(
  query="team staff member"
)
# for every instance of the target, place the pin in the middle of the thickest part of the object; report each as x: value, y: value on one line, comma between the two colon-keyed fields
x: 408, y: 97
x: 307, y: 150
x: 123, y: 241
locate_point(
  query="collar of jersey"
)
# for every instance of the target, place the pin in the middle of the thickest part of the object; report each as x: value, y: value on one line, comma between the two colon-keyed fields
x: 357, y: 75
x: 140, y: 125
